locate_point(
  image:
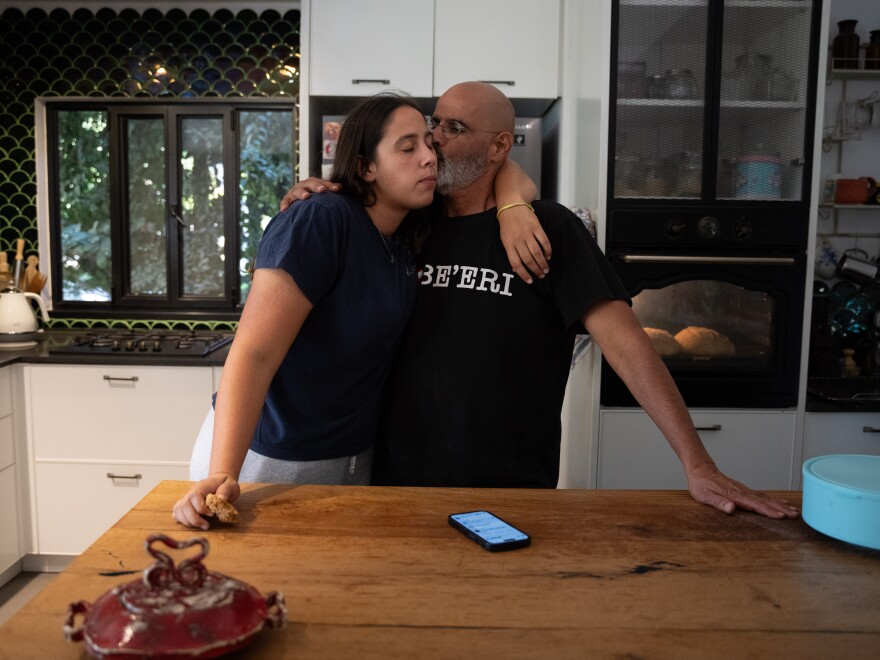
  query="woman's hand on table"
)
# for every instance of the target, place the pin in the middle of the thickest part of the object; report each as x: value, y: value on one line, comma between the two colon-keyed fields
x: 190, y: 508
x: 708, y: 485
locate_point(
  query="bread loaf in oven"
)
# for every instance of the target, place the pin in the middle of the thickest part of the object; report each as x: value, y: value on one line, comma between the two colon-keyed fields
x: 664, y: 342
x: 705, y: 342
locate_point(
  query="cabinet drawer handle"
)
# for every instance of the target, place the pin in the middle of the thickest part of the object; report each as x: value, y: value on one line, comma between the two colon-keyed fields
x: 358, y: 81
x: 509, y: 83
x: 714, y: 427
x: 870, y: 429
x: 130, y: 379
x: 110, y: 475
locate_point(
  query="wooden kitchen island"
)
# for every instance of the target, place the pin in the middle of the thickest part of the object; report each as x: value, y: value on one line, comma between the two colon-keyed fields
x: 378, y: 573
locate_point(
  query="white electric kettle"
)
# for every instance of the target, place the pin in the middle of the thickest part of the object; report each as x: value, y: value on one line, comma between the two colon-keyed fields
x: 18, y: 323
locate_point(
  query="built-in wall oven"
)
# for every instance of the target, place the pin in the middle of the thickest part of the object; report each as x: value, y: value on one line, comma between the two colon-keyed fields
x: 711, y: 131
x: 720, y: 292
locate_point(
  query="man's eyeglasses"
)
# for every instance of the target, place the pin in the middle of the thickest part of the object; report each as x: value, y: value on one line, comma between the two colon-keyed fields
x: 453, y: 128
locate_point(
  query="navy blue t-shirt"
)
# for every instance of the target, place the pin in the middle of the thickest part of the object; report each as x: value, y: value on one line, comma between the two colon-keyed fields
x: 324, y: 400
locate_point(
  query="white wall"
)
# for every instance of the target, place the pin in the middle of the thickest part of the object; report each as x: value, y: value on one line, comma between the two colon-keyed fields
x: 585, y: 68
x: 583, y: 120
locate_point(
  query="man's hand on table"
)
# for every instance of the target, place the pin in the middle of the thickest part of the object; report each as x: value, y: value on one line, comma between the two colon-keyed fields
x: 708, y: 485
x: 190, y: 508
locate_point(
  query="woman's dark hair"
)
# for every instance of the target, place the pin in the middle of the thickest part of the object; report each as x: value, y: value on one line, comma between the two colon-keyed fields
x: 363, y: 129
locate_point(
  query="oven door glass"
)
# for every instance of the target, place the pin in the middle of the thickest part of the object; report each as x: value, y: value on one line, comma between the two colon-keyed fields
x: 708, y: 324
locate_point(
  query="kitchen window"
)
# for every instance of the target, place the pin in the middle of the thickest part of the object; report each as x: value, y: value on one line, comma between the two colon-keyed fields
x: 157, y: 207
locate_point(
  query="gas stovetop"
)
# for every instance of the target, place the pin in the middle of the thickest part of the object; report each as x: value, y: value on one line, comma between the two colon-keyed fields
x: 153, y: 343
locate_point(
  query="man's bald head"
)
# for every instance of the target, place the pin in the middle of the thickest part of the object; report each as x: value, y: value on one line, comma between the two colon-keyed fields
x: 488, y: 107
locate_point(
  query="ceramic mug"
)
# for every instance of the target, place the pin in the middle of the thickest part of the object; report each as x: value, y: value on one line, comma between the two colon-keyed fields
x: 854, y: 191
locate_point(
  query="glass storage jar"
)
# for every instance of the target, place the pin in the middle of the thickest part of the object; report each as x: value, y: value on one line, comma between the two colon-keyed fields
x: 748, y: 81
x: 780, y: 85
x: 845, y: 47
x: 872, y: 52
x: 681, y: 84
x: 631, y: 80
x: 657, y: 87
x: 655, y: 183
x: 689, y: 174
x: 629, y: 175
x: 734, y: 84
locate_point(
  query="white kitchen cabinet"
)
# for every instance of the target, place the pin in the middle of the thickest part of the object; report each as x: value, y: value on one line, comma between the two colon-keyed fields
x: 10, y: 540
x: 102, y: 437
x: 751, y: 446
x: 841, y: 433
x: 514, y: 44
x: 359, y: 48
x: 10, y: 537
x: 423, y: 47
x: 77, y: 502
x: 5, y: 392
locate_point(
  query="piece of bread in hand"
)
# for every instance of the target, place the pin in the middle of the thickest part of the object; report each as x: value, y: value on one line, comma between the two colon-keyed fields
x: 224, y: 511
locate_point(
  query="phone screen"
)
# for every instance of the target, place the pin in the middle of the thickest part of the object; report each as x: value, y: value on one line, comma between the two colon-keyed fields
x: 489, y: 530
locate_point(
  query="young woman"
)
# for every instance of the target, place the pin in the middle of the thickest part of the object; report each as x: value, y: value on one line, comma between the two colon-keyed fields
x: 332, y: 290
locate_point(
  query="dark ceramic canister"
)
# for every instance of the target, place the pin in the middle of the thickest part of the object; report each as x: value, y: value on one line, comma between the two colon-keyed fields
x: 845, y: 47
x: 872, y: 54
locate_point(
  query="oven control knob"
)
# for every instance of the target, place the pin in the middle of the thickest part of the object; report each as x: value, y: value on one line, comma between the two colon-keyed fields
x: 142, y: 345
x: 157, y: 346
x: 708, y: 227
x: 129, y: 345
x: 743, y: 230
x: 675, y: 228
x: 115, y: 346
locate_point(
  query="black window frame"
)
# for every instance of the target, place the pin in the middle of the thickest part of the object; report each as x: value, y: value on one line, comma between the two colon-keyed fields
x: 176, y: 305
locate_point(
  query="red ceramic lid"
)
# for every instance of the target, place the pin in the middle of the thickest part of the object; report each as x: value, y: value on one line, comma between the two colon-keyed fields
x: 179, y: 611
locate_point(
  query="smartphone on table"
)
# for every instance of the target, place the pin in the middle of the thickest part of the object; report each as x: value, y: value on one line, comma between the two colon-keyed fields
x: 489, y: 531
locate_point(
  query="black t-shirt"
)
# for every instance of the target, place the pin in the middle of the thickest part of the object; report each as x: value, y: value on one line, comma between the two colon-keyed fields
x: 475, y: 393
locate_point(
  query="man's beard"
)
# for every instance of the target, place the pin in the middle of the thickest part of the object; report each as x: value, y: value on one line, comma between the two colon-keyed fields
x: 455, y: 173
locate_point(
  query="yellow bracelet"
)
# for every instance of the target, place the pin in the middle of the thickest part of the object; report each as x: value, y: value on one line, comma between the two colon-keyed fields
x: 510, y: 206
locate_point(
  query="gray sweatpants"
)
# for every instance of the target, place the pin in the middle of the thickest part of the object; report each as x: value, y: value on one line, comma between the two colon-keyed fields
x: 343, y: 471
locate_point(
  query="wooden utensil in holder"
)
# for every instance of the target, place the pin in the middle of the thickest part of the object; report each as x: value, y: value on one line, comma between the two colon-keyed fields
x: 19, y: 255
x: 34, y: 280
x: 5, y: 272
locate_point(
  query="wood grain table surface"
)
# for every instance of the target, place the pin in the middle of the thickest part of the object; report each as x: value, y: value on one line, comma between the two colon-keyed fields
x: 373, y: 572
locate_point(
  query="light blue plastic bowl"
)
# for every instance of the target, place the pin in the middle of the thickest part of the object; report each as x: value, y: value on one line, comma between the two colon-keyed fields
x: 842, y: 497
